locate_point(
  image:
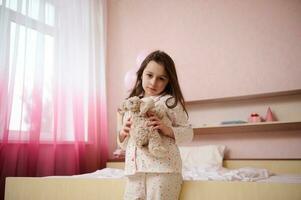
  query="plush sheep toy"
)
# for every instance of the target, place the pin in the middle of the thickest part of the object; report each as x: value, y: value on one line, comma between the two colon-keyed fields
x: 142, y: 134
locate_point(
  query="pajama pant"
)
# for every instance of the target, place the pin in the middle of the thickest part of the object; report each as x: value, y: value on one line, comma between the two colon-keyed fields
x: 153, y: 186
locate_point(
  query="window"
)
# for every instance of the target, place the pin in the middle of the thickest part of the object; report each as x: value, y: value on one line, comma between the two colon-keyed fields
x: 50, y: 47
x: 31, y: 45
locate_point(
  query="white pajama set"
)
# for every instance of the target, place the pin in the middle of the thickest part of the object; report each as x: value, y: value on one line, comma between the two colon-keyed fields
x: 149, y: 177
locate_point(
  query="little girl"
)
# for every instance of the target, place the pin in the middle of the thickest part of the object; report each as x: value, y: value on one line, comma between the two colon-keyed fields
x: 149, y: 177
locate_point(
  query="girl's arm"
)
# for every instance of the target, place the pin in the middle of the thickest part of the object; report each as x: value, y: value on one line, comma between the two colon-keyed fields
x: 181, y: 130
x: 157, y: 124
x: 123, y: 131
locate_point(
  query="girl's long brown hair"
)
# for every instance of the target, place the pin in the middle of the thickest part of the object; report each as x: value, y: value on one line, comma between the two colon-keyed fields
x: 172, y: 88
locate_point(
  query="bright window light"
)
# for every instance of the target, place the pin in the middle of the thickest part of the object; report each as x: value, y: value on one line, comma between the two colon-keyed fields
x: 12, y: 4
x: 49, y: 14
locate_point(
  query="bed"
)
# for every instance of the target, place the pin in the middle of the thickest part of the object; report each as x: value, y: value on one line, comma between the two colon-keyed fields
x: 285, y: 183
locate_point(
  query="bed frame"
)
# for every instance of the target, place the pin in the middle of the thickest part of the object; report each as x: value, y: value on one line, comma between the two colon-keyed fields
x: 19, y: 188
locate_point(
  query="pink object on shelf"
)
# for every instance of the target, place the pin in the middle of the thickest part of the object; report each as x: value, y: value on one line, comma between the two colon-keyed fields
x: 254, y: 117
x: 269, y: 116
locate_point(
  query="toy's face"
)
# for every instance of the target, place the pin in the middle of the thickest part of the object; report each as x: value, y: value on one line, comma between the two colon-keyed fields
x: 133, y: 104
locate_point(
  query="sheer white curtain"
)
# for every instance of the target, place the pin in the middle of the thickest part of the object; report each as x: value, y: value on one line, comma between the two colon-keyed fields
x: 52, y: 86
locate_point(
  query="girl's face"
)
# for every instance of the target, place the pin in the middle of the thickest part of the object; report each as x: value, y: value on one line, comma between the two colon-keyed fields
x: 154, y: 79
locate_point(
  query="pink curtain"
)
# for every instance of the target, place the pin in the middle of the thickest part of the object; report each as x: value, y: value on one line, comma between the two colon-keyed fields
x: 52, y: 89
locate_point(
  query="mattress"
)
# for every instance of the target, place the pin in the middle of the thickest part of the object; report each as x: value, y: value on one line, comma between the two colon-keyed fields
x: 231, y: 176
x: 109, y: 184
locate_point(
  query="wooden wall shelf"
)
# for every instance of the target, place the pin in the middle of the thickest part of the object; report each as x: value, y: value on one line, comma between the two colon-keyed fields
x: 249, y: 127
x: 244, y: 97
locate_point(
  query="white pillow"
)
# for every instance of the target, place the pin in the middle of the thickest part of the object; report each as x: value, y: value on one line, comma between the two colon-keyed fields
x: 202, y: 156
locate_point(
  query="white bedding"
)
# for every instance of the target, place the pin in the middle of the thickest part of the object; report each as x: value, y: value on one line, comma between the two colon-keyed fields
x: 103, y: 173
x: 224, y: 174
x: 206, y: 174
x: 283, y: 178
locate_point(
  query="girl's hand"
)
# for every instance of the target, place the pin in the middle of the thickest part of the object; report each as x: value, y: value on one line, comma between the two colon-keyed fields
x: 157, y: 124
x: 125, y: 131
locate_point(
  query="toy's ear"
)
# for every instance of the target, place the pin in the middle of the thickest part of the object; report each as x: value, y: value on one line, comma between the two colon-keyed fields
x: 159, y: 111
x: 160, y: 114
x: 120, y: 111
x: 123, y: 108
x: 144, y: 106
